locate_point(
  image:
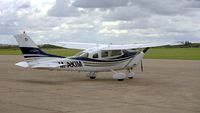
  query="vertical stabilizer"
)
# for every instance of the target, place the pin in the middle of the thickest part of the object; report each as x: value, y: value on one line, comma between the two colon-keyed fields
x: 29, y: 48
x: 25, y: 41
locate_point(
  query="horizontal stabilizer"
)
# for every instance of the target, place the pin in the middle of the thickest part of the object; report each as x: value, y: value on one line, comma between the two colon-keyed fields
x: 23, y: 64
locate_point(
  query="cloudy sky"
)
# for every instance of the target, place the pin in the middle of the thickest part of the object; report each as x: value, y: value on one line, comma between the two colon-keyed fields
x: 100, y: 21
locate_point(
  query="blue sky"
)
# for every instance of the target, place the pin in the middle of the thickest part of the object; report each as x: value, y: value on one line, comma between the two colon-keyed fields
x: 100, y: 21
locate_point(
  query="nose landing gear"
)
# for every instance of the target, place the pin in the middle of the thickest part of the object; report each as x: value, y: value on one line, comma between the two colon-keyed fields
x: 130, y: 74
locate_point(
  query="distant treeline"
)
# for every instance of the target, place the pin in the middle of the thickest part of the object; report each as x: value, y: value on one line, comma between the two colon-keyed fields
x: 46, y: 46
x: 186, y: 44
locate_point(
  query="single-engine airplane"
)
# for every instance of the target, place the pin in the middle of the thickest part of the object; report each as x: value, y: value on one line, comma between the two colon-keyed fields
x: 94, y: 57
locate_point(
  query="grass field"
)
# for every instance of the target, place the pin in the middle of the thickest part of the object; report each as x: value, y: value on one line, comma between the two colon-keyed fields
x: 153, y: 53
x: 174, y: 53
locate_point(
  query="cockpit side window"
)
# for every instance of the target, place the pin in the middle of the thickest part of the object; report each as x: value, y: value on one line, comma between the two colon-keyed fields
x: 83, y: 54
x: 116, y: 53
x: 95, y: 55
x: 104, y: 54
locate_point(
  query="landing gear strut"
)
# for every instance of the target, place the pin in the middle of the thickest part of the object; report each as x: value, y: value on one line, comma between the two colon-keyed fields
x: 130, y: 74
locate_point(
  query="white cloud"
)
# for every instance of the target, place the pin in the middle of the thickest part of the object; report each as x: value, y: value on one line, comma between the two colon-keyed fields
x: 100, y: 3
x: 106, y: 21
x: 127, y: 13
x: 62, y: 9
x: 112, y: 32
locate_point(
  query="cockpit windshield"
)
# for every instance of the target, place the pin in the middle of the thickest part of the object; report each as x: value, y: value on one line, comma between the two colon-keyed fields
x: 82, y: 54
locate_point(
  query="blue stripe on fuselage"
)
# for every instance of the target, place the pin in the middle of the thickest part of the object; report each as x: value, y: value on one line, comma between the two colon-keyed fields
x: 35, y: 52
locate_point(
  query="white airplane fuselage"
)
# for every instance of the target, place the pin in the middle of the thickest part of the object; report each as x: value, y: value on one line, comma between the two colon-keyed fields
x: 75, y: 63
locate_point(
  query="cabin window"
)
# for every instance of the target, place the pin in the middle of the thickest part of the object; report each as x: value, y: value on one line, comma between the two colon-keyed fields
x: 116, y: 53
x: 82, y: 54
x: 95, y: 55
x: 85, y: 55
x: 104, y: 54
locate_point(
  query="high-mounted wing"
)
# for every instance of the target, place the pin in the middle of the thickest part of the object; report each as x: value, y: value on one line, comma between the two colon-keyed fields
x: 75, y: 45
x: 72, y: 45
x: 136, y: 46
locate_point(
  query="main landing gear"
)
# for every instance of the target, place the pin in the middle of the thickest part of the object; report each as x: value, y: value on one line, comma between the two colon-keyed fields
x: 116, y: 75
x: 130, y: 74
x: 122, y: 76
x: 92, y: 75
x: 119, y: 76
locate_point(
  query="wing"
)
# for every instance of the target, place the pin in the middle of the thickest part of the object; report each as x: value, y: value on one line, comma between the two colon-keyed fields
x: 74, y: 45
x: 136, y: 46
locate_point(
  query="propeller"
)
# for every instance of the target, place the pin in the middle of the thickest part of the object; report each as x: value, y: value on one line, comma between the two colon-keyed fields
x: 144, y: 51
x: 142, y: 68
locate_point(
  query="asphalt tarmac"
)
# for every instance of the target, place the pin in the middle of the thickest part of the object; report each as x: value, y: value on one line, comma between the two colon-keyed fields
x: 165, y: 86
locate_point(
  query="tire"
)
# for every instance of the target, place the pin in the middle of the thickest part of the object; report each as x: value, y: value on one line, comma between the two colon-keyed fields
x: 92, y: 77
x: 130, y: 77
x: 120, y: 79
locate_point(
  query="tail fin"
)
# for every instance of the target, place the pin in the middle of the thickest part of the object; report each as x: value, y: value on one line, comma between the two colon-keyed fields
x: 29, y: 48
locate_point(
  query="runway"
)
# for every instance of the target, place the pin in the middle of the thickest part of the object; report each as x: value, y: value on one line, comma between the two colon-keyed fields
x: 165, y: 86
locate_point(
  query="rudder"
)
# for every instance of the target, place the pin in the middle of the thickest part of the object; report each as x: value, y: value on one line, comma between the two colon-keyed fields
x: 29, y: 48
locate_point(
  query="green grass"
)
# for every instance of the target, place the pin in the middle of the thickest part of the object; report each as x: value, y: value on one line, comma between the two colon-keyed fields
x: 62, y: 52
x: 174, y: 53
x: 9, y: 52
x: 153, y: 53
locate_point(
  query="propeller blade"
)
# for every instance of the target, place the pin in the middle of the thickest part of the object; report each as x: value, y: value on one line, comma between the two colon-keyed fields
x: 142, y: 69
x: 145, y: 50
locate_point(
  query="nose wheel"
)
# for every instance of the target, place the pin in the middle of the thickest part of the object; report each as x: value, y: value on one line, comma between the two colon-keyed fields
x: 130, y: 74
x: 130, y: 77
